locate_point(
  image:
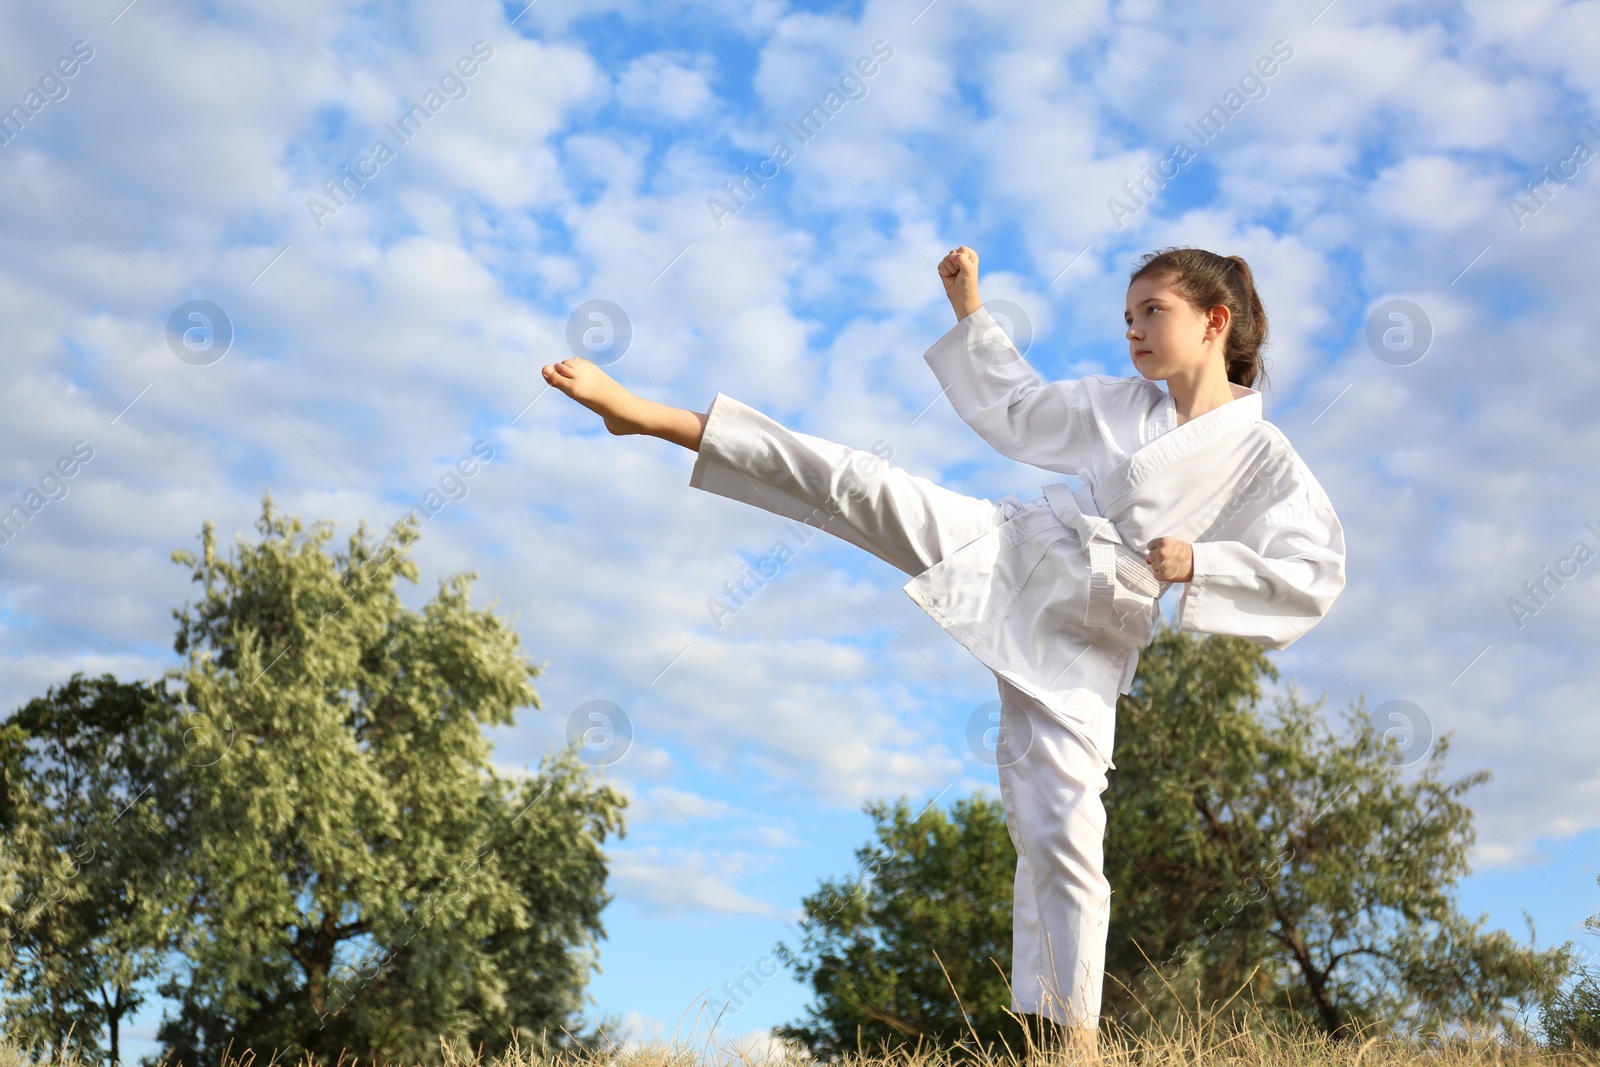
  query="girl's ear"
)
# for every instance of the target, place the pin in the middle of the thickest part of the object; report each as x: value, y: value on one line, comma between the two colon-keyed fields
x: 1218, y: 317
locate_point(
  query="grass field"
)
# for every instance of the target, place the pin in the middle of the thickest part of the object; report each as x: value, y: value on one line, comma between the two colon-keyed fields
x: 1191, y: 1042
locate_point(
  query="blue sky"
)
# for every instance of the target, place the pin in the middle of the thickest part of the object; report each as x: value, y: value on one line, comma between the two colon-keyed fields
x: 1432, y: 153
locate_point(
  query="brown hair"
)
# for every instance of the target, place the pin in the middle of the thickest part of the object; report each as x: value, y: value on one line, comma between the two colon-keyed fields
x: 1205, y: 280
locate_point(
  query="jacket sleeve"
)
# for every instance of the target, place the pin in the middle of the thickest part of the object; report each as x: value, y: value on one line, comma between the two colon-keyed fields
x: 1003, y: 399
x: 1273, y: 584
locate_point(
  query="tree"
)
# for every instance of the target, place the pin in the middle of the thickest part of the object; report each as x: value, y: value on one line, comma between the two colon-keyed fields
x: 1249, y: 852
x: 1571, y: 1017
x: 1268, y: 852
x: 895, y: 952
x: 10, y: 892
x: 93, y: 910
x: 363, y: 879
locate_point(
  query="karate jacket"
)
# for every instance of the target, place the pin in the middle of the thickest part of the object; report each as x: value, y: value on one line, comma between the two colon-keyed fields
x: 1057, y: 599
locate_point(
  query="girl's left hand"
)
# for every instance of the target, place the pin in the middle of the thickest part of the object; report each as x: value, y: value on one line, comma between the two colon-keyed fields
x: 1171, y: 559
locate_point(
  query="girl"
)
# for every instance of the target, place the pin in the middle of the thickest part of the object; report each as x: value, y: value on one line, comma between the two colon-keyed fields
x: 1187, y: 484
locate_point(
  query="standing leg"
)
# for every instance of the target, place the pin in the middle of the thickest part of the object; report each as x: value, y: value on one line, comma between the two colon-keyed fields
x: 1051, y: 779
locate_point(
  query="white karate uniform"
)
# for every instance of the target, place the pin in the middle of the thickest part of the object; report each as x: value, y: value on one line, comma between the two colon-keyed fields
x: 1053, y: 594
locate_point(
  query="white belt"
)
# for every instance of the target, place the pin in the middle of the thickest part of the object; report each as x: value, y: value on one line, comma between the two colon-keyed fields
x: 1109, y: 558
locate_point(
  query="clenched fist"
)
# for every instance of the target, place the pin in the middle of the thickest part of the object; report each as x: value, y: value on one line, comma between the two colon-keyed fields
x: 959, y: 272
x: 1171, y: 559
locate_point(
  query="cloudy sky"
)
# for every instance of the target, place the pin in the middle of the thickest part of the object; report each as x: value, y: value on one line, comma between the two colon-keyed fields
x: 215, y: 282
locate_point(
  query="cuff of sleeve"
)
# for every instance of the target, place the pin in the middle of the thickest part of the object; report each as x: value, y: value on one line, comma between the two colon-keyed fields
x: 1195, y: 607
x: 708, y: 452
x: 960, y: 337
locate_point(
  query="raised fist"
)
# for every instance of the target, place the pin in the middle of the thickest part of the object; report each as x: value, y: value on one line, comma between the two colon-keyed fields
x: 959, y: 273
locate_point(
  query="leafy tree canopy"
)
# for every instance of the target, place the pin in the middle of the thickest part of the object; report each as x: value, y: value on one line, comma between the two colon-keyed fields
x: 1255, y: 855
x: 915, y: 947
x: 337, y: 864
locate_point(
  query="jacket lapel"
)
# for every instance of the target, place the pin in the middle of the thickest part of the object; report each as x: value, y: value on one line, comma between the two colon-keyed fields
x: 1173, y: 445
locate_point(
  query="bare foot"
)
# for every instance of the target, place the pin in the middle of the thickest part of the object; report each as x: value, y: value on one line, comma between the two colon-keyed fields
x: 596, y: 390
x: 1083, y: 1045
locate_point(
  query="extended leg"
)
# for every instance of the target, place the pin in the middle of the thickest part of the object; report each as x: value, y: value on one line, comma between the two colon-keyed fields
x: 906, y: 520
x: 902, y: 518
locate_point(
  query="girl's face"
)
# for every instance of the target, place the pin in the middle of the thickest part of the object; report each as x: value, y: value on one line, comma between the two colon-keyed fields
x: 1167, y: 337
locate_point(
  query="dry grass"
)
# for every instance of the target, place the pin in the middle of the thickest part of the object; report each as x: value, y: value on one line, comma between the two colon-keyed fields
x: 1192, y: 1042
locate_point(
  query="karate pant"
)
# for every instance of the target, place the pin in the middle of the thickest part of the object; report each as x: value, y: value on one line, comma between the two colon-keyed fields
x: 1051, y: 776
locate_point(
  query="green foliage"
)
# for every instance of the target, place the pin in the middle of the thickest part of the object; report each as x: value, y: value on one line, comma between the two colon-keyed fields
x: 1250, y: 854
x: 1270, y: 856
x: 316, y: 827
x: 366, y: 881
x: 928, y: 916
x: 92, y: 907
x: 1571, y: 1017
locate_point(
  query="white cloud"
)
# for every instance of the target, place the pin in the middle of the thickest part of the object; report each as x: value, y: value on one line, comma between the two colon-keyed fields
x: 679, y: 882
x: 672, y: 85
